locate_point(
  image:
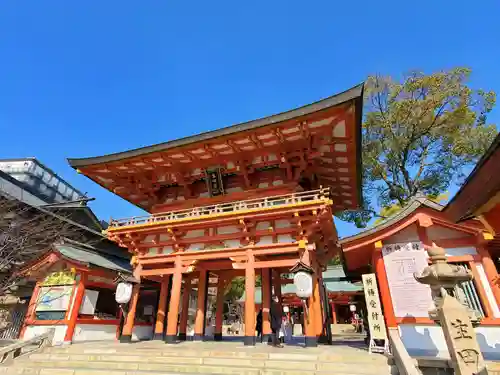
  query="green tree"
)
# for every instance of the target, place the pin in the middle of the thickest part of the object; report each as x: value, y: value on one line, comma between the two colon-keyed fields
x: 418, y: 135
x: 235, y: 289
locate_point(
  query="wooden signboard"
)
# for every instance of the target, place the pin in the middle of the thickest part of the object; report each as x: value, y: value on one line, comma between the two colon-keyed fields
x: 376, y: 322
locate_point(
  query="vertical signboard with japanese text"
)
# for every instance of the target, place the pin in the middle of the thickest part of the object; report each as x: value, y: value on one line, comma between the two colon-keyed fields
x: 375, y: 316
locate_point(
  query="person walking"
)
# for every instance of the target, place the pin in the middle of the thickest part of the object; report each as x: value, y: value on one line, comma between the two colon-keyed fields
x: 276, y: 315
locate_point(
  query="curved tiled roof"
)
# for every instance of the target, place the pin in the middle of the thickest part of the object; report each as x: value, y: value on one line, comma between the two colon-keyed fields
x: 406, y: 211
x: 354, y: 93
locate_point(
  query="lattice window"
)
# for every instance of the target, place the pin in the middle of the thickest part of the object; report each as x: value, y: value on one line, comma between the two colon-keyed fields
x: 467, y: 294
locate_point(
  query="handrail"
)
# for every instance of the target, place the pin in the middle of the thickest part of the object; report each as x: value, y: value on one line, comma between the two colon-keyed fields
x: 403, y: 361
x: 248, y: 204
x: 11, y: 352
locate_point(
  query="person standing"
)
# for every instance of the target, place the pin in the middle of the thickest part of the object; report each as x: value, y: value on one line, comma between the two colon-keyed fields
x: 276, y: 315
x: 258, y: 326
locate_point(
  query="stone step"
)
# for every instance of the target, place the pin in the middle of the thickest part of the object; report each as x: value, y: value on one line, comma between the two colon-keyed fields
x: 92, y: 354
x: 206, y: 365
x: 38, y: 369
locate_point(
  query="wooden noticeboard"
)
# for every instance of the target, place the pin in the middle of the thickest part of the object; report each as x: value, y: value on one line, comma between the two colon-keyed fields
x: 409, y: 297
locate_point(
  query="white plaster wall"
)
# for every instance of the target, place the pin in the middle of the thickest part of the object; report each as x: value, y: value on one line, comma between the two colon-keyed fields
x: 263, y: 225
x: 142, y: 333
x: 228, y: 230
x: 285, y: 238
x: 428, y: 340
x: 409, y: 234
x: 94, y: 332
x: 436, y: 232
x: 265, y: 240
x: 32, y: 331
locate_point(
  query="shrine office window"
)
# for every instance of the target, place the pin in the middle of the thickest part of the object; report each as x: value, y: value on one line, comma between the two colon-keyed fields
x: 468, y: 295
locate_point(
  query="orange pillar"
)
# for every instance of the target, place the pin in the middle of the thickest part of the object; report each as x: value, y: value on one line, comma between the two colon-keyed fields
x: 249, y: 300
x: 75, y: 308
x: 317, y: 300
x: 266, y: 304
x: 199, y: 324
x: 491, y: 272
x: 383, y: 285
x: 334, y: 313
x: 219, y: 308
x: 162, y: 309
x: 128, y: 327
x: 173, y: 311
x: 185, y: 309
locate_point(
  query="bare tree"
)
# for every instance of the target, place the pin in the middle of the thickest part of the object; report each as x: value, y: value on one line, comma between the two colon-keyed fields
x: 26, y: 233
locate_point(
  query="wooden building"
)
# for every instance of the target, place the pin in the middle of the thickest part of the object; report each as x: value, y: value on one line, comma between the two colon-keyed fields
x: 254, y: 197
x: 396, y: 248
x: 479, y: 197
x: 74, y: 294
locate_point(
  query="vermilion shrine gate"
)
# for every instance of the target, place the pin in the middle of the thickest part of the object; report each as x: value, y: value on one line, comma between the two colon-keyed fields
x: 256, y: 197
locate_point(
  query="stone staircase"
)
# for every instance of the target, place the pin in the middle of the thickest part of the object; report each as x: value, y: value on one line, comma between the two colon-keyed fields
x: 157, y: 358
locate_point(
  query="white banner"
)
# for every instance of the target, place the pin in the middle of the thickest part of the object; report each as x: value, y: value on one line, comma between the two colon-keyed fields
x: 376, y: 320
x: 409, y: 297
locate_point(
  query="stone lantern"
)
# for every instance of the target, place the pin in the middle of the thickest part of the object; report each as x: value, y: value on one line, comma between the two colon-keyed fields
x: 455, y: 319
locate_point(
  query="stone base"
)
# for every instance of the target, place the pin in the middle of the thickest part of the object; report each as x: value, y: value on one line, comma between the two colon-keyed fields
x: 125, y: 338
x: 182, y: 337
x: 170, y: 339
x: 249, y: 340
x: 311, y: 341
x: 218, y: 337
x: 197, y: 337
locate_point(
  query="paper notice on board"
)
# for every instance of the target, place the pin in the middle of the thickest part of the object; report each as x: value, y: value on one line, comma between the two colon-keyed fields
x: 409, y: 297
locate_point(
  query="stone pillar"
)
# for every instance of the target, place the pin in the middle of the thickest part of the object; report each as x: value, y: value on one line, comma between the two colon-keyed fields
x: 128, y: 327
x: 454, y: 318
x: 266, y: 304
x: 162, y: 309
x: 199, y: 324
x: 173, y: 311
x: 219, y: 308
x: 75, y: 308
x: 185, y: 309
x: 250, y: 300
x: 460, y: 337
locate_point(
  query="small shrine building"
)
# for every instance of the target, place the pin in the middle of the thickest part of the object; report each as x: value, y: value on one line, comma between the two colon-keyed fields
x: 253, y: 198
x: 396, y: 248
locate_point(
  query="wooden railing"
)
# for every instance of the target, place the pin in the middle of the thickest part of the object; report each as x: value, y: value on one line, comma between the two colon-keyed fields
x: 11, y: 352
x: 251, y: 204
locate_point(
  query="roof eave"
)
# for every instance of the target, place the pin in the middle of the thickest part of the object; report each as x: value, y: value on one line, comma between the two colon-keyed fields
x: 354, y: 93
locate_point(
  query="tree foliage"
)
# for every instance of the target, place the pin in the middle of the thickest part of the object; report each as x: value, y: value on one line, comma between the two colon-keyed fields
x: 419, y: 134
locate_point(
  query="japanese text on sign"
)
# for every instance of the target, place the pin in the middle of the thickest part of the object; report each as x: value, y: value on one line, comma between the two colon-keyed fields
x: 376, y: 321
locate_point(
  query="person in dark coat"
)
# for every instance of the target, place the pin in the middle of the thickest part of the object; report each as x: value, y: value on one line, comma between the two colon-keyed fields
x: 276, y: 318
x: 258, y: 326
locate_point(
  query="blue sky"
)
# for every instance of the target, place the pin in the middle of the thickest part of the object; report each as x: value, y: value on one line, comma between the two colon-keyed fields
x: 89, y: 78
